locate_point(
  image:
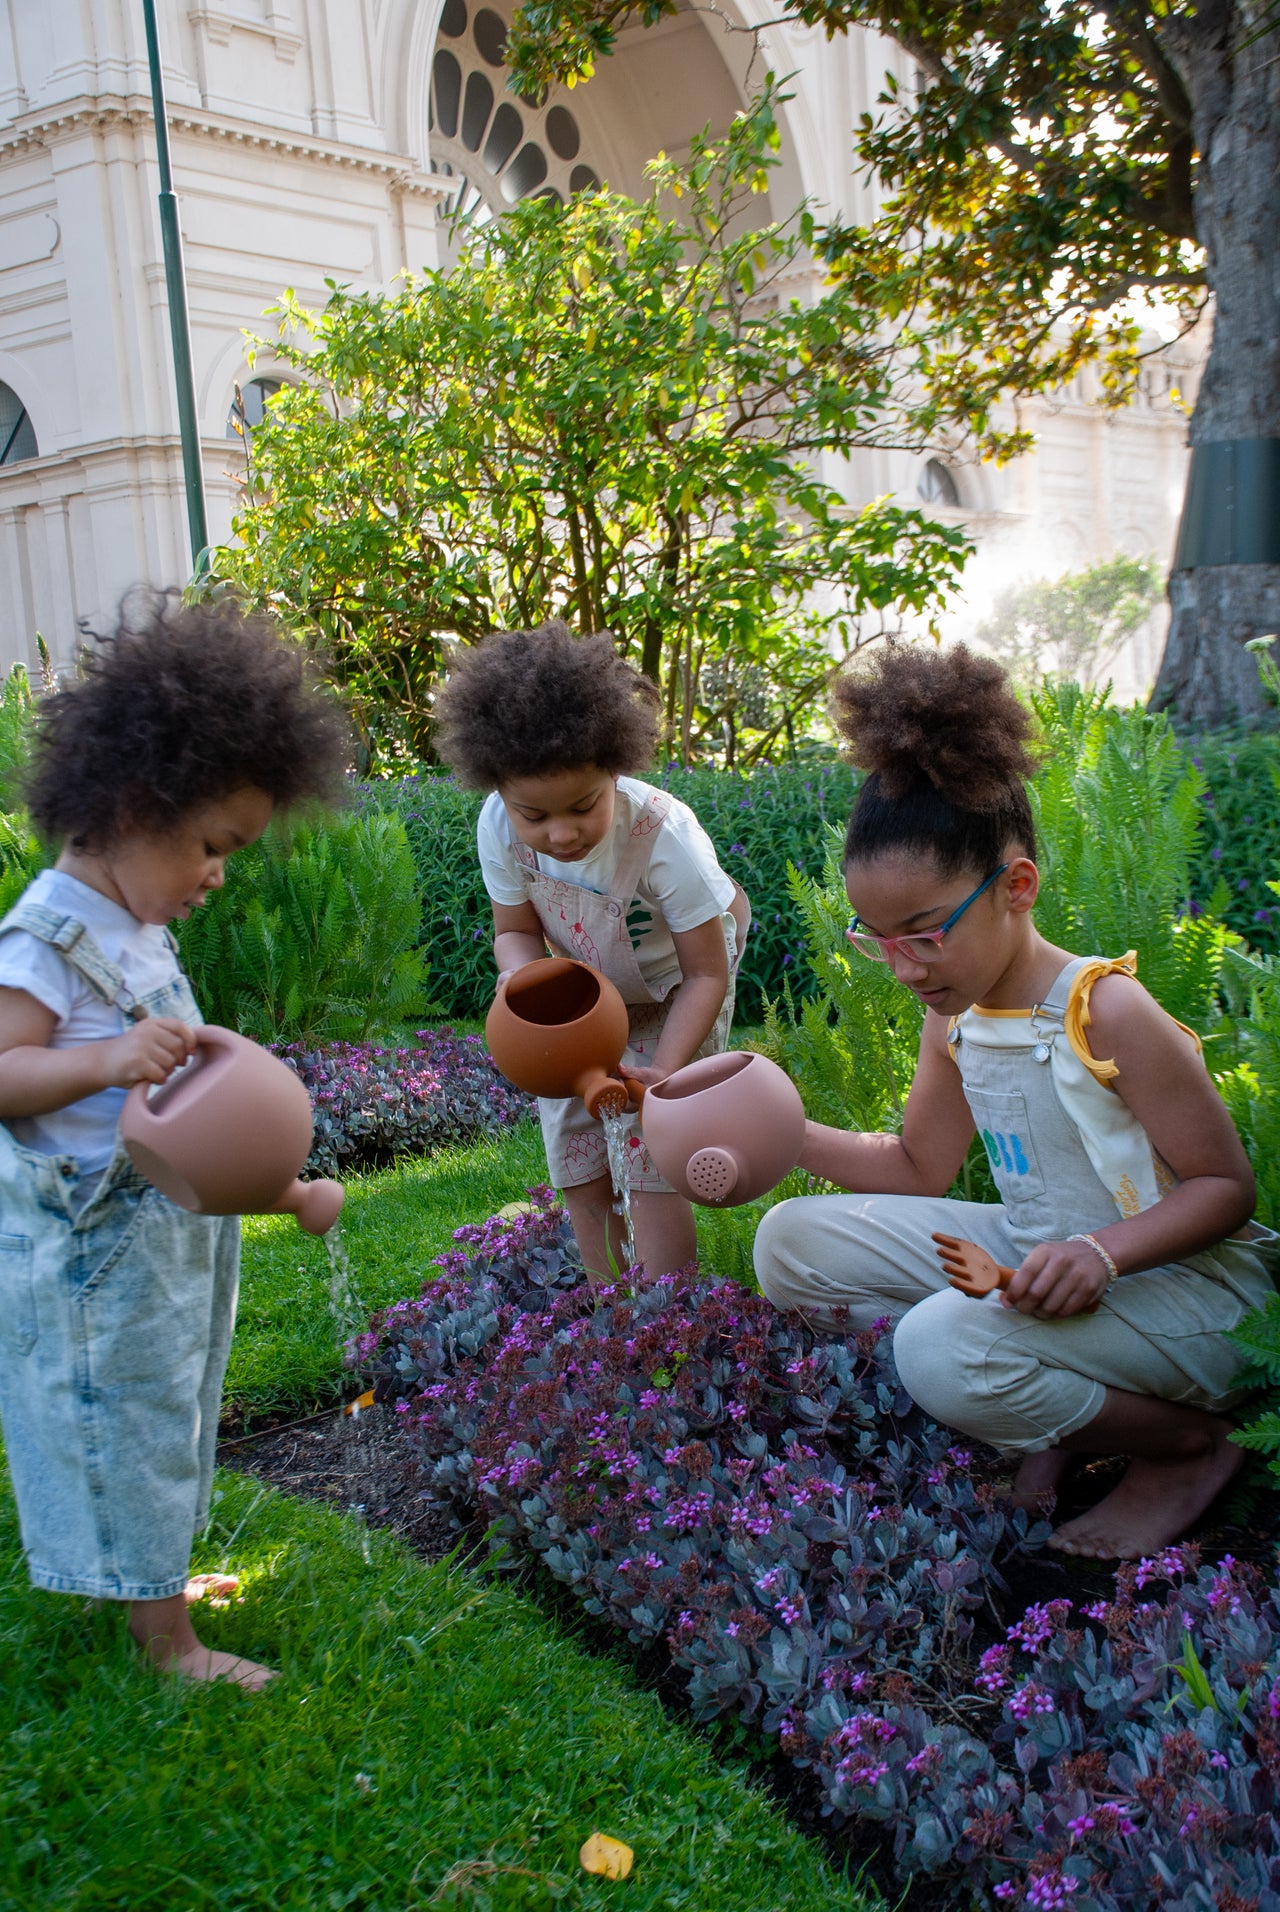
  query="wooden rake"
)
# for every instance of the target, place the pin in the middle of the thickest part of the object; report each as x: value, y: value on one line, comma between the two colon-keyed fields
x: 970, y: 1268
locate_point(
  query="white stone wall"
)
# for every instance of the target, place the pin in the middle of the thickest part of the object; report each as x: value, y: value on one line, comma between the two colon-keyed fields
x: 301, y: 152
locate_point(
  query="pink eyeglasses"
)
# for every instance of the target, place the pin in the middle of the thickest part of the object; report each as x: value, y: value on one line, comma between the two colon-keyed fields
x: 922, y: 947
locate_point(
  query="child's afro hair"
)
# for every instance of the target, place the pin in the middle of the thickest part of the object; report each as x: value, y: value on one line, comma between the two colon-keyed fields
x: 178, y: 706
x: 529, y: 703
x: 945, y: 743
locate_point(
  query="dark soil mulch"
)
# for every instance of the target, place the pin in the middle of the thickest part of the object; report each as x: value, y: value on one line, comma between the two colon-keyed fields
x: 361, y: 1463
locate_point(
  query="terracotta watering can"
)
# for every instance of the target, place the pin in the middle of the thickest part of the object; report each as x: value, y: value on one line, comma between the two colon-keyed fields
x: 724, y: 1129
x: 228, y: 1134
x: 558, y: 1028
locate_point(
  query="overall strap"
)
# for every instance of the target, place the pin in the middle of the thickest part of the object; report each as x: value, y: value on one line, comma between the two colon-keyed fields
x: 638, y: 847
x: 68, y: 935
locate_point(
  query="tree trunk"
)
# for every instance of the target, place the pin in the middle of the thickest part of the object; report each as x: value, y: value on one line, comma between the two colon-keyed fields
x: 1206, y: 678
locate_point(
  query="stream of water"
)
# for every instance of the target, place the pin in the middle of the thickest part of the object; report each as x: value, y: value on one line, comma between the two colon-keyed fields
x: 616, y: 1135
x: 350, y: 1317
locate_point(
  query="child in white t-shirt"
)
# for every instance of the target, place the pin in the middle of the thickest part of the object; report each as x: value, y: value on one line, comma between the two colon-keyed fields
x: 185, y: 732
x: 582, y: 857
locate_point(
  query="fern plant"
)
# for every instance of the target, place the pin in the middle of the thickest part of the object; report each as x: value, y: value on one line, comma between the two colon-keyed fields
x: 17, y: 714
x: 313, y: 937
x: 851, y: 1048
x: 1118, y: 808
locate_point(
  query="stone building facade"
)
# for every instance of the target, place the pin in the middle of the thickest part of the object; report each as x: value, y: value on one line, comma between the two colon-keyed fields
x: 329, y: 139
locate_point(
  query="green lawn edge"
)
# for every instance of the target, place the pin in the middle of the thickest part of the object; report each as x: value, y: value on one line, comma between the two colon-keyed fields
x: 433, y: 1740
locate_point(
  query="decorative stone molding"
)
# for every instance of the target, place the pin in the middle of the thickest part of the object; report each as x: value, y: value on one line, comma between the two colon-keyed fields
x: 77, y: 115
x: 218, y: 27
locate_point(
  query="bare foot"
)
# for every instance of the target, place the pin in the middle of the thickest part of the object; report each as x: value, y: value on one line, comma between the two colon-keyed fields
x: 218, y: 1589
x: 1153, y: 1505
x: 1035, y: 1485
x: 163, y: 1629
x: 204, y: 1663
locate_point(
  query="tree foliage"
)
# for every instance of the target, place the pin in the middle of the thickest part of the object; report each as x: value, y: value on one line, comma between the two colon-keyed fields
x: 1043, y: 170
x: 1071, y: 628
x: 604, y: 412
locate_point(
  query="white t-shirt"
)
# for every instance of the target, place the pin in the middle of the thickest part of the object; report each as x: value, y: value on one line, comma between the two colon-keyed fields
x: 682, y: 886
x: 141, y: 951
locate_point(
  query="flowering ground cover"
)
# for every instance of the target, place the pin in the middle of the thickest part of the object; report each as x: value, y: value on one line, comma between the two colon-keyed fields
x: 813, y: 1553
x: 373, y: 1101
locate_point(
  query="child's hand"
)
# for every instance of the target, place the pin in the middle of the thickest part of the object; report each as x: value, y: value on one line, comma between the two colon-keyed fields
x: 647, y: 1077
x: 1058, y: 1279
x: 150, y: 1051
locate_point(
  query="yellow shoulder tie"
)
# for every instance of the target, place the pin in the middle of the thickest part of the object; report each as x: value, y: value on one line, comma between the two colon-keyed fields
x: 1077, y: 1016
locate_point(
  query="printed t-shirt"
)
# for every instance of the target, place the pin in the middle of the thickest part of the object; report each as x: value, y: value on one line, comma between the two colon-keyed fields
x: 683, y: 885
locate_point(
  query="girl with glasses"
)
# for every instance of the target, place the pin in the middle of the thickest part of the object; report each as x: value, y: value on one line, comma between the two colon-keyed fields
x: 1125, y: 1193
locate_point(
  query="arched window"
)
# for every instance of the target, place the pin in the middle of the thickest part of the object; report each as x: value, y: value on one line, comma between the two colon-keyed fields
x: 500, y: 149
x: 248, y: 405
x: 17, y: 434
x: 938, y: 485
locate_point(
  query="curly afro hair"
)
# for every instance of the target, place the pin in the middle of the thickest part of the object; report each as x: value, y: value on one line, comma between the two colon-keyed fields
x: 528, y: 703
x: 946, y: 744
x: 176, y: 707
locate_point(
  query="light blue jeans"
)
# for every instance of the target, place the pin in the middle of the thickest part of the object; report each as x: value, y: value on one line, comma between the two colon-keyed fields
x: 115, y: 1325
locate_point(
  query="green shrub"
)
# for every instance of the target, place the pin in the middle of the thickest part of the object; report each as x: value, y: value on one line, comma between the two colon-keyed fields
x: 1239, y: 841
x: 17, y: 710
x: 313, y: 936
x: 456, y: 932
x: 760, y: 825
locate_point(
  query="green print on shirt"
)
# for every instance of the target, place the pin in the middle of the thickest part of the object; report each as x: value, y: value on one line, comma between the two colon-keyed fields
x: 639, y: 921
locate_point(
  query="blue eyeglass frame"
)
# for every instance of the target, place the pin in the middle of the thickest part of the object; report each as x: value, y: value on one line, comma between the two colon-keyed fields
x: 887, y: 944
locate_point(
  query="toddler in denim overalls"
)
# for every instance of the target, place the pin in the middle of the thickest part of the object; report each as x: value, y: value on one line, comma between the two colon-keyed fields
x: 184, y: 734
x: 585, y: 859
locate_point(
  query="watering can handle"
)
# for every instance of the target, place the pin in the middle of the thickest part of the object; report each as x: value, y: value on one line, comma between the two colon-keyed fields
x: 633, y: 1088
x: 208, y: 1036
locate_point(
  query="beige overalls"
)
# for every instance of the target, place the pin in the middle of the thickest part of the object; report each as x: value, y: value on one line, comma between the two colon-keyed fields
x: 1067, y: 1157
x: 593, y: 928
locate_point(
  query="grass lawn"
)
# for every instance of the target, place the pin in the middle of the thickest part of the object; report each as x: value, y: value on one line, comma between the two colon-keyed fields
x: 433, y: 1742
x: 285, y: 1357
x: 435, y: 1739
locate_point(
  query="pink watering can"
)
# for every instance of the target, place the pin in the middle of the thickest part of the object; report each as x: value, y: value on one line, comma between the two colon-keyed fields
x: 724, y: 1129
x: 228, y: 1134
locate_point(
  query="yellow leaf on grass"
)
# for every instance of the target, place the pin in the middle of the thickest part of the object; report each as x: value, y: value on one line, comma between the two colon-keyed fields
x: 607, y: 1856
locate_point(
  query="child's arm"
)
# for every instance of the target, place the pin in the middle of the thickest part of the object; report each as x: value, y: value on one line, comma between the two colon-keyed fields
x: 1164, y: 1082
x: 937, y: 1129
x: 696, y: 1000
x: 517, y: 937
x: 35, y: 1080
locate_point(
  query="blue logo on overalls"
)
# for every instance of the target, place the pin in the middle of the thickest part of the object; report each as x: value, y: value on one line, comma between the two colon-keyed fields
x: 1006, y: 1151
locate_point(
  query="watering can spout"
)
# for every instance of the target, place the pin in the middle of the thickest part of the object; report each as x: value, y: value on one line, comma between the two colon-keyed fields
x: 315, y: 1206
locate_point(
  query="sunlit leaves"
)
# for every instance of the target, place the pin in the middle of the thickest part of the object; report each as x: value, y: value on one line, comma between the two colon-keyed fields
x: 602, y: 414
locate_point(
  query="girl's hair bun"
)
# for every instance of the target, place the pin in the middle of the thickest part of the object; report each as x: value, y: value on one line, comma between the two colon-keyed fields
x: 947, y: 718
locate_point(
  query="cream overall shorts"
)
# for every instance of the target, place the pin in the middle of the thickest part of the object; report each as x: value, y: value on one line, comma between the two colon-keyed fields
x: 1004, y: 1377
x: 115, y: 1326
x: 592, y: 928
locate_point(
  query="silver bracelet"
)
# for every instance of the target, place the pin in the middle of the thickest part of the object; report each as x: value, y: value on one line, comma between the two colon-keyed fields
x: 1113, y: 1273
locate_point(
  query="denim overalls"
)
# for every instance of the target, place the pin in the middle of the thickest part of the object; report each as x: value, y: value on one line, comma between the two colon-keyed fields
x: 115, y: 1325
